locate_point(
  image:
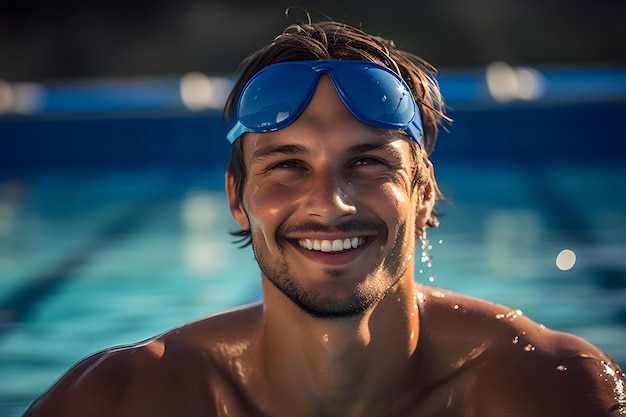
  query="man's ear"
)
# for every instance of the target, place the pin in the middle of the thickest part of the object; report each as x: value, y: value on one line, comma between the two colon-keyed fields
x: 428, y: 197
x: 235, y: 205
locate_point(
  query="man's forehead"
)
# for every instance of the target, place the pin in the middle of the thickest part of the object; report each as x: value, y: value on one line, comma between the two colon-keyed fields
x: 261, y: 145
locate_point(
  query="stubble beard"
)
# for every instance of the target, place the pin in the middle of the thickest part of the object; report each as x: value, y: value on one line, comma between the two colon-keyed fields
x: 332, y: 305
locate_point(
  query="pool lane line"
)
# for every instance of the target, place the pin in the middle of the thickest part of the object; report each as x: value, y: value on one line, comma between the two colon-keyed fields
x: 22, y: 303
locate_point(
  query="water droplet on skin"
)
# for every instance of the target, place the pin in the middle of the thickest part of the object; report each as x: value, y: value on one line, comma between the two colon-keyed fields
x: 516, y: 340
x: 325, y: 338
x: 456, y: 306
x: 561, y: 368
x: 438, y: 294
x: 529, y: 348
x: 617, y: 378
x: 542, y: 327
x: 511, y: 315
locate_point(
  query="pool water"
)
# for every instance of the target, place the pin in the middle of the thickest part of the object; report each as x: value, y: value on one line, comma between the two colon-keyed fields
x: 114, y: 227
x: 110, y: 258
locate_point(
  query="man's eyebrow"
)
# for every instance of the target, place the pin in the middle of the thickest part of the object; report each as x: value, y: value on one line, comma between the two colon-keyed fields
x: 294, y: 149
x: 271, y: 150
x: 374, y: 146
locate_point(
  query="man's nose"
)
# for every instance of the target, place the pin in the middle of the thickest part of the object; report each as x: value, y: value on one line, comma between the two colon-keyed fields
x: 330, y: 197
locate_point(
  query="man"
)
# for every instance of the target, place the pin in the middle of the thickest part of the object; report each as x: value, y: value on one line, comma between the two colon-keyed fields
x: 330, y: 182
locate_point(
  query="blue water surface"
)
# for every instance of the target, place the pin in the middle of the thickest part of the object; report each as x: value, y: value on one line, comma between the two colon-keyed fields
x: 114, y: 227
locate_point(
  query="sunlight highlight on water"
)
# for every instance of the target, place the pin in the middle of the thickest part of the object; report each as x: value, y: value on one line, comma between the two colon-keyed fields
x: 566, y: 259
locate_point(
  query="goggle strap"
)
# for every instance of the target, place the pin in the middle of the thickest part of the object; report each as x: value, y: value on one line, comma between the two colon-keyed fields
x: 415, y: 131
x: 237, y: 130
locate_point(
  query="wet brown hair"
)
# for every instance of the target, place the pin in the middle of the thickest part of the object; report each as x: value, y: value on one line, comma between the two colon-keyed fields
x: 334, y: 40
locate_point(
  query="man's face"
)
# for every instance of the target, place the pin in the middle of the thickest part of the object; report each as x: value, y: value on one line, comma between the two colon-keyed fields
x: 330, y: 207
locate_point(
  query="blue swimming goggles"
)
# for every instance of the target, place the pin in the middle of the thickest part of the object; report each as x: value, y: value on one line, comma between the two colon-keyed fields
x: 277, y: 95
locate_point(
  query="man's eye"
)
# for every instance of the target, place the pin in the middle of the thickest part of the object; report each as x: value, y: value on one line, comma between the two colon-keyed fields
x: 368, y: 161
x: 287, y: 165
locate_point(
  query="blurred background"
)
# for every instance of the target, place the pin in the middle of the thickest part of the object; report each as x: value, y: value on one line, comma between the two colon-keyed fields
x: 113, y: 221
x: 68, y: 39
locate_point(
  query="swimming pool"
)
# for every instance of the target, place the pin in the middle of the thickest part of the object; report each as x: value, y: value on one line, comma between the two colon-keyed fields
x: 120, y: 246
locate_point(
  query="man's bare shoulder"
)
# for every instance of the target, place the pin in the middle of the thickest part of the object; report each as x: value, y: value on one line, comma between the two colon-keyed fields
x: 551, y: 373
x: 518, y: 366
x: 167, y: 375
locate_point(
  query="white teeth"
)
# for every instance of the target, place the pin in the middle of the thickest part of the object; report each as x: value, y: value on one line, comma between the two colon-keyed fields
x: 336, y: 245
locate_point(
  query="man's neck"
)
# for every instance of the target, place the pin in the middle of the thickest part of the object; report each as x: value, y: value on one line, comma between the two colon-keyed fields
x: 338, y: 366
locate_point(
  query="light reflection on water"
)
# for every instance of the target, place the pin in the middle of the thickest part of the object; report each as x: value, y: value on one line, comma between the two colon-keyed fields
x: 170, y: 259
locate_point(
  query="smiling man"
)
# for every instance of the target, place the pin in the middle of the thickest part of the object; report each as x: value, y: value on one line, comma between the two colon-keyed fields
x: 330, y: 182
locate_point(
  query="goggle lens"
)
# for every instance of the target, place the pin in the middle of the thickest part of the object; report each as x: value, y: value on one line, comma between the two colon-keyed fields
x: 274, y: 99
x: 375, y: 94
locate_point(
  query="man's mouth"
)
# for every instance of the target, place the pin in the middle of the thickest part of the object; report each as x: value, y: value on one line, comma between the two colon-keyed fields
x: 336, y: 245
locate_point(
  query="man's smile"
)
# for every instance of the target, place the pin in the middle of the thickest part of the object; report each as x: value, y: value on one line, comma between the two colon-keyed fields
x: 335, y: 250
x: 336, y: 245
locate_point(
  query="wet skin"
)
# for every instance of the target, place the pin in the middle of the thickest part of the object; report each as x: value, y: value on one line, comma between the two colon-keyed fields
x: 343, y: 330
